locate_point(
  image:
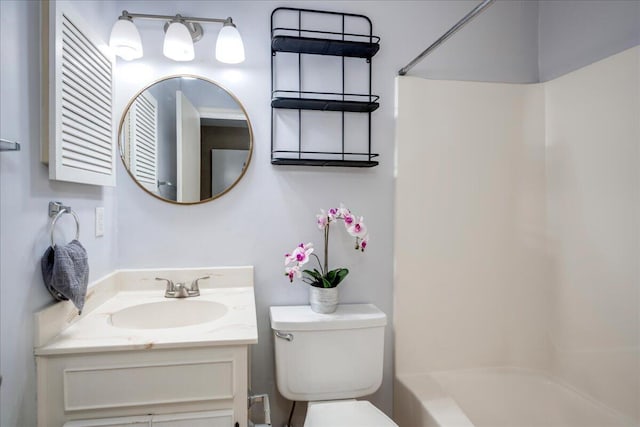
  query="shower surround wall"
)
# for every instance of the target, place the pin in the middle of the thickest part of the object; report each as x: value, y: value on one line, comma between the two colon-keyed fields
x: 522, y: 246
x: 593, y: 223
x: 469, y: 244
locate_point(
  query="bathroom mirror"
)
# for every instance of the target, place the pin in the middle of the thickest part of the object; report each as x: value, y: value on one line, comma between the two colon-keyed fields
x: 185, y: 139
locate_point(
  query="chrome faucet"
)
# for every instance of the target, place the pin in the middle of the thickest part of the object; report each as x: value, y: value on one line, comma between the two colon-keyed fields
x: 194, y: 291
x: 170, y: 291
x: 180, y: 290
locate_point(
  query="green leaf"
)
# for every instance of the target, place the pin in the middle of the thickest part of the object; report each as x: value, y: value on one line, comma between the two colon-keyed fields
x: 334, y: 277
x: 326, y: 283
x: 314, y: 274
x: 330, y: 280
x: 314, y: 278
x: 341, y: 273
x: 331, y: 277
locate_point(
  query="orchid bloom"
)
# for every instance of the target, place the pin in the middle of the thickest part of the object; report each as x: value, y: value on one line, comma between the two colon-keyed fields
x: 363, y: 243
x: 333, y: 214
x: 301, y: 253
x: 357, y: 228
x: 308, y: 246
x: 293, y: 271
x: 322, y: 219
x: 348, y: 219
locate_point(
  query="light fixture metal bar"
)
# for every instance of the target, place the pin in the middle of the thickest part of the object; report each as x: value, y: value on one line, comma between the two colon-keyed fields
x: 468, y: 17
x: 172, y: 17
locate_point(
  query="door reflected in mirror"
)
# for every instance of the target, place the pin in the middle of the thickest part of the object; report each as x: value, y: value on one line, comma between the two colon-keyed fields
x: 185, y: 139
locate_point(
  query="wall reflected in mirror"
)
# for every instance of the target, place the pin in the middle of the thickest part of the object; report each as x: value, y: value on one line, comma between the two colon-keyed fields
x: 185, y: 139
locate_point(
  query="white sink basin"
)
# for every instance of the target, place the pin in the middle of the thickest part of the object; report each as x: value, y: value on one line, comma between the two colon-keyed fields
x: 174, y: 313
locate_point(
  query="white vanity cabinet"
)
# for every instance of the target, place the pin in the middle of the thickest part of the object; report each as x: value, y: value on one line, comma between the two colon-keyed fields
x: 154, y: 370
x: 185, y: 387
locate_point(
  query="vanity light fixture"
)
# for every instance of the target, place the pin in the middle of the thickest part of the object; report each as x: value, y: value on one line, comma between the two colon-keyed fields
x: 125, y: 39
x: 178, y: 44
x: 180, y: 34
x: 229, y: 47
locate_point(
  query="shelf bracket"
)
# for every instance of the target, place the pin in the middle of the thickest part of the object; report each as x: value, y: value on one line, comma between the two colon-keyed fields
x: 6, y: 145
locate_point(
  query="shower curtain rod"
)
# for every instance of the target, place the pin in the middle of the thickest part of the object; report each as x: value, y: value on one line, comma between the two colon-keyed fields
x: 468, y: 17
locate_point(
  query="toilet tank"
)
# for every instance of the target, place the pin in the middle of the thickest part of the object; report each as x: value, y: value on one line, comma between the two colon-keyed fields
x: 328, y: 356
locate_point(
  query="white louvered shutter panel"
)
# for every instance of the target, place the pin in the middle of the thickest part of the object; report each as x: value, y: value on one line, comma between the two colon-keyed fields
x: 82, y: 140
x: 143, y: 134
x: 125, y: 147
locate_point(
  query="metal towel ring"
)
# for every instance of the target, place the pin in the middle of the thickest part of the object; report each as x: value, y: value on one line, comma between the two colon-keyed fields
x: 58, y: 215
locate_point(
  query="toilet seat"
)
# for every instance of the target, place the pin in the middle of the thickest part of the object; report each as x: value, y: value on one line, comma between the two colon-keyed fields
x: 346, y: 413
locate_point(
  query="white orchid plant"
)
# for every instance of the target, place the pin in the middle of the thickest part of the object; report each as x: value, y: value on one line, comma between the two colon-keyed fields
x: 325, y: 278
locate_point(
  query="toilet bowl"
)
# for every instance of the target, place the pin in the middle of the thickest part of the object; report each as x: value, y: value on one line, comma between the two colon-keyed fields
x: 329, y: 360
x: 346, y: 413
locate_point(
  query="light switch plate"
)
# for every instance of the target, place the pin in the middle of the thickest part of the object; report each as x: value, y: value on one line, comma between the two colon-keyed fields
x: 100, y: 221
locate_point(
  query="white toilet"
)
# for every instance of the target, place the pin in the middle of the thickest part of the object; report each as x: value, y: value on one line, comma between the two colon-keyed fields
x: 330, y: 359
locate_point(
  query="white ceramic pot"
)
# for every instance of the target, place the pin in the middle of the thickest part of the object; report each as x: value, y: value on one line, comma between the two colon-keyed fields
x: 323, y: 300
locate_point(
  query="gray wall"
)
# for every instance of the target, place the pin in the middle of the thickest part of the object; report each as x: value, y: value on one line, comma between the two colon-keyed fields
x: 572, y: 34
x: 25, y: 191
x: 273, y: 208
x: 265, y: 214
x: 500, y: 45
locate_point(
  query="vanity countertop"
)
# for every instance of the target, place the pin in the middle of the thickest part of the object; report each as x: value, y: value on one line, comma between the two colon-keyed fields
x: 94, y: 332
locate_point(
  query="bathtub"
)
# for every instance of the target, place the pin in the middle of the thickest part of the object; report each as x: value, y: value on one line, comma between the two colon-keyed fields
x: 495, y: 397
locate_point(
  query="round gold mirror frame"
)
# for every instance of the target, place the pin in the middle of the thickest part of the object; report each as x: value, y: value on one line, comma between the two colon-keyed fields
x: 189, y: 76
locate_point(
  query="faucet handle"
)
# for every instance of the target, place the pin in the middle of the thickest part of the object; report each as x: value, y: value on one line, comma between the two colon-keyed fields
x: 195, y: 288
x: 170, y: 285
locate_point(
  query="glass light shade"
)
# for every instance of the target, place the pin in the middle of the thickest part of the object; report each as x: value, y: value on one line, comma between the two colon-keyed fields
x: 125, y: 40
x: 229, y: 47
x: 178, y: 44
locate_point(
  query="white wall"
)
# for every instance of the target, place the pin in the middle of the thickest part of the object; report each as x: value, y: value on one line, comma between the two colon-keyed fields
x: 593, y: 217
x: 593, y: 195
x: 25, y: 191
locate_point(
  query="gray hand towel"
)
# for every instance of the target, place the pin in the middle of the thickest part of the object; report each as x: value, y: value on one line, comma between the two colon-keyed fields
x: 65, y: 270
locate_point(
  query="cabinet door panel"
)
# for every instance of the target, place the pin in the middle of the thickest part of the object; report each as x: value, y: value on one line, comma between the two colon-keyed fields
x: 189, y: 382
x: 144, y: 421
x: 200, y: 419
x: 78, y: 133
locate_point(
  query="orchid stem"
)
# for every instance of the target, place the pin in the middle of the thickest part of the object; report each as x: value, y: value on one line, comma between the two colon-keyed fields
x: 319, y: 263
x: 326, y: 248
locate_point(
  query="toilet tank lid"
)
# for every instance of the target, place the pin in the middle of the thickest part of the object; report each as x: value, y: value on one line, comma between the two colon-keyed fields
x: 346, y: 316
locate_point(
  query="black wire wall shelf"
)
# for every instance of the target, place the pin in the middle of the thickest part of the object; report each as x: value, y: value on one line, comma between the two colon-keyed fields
x: 325, y: 46
x: 307, y: 158
x: 302, y: 40
x: 324, y: 101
